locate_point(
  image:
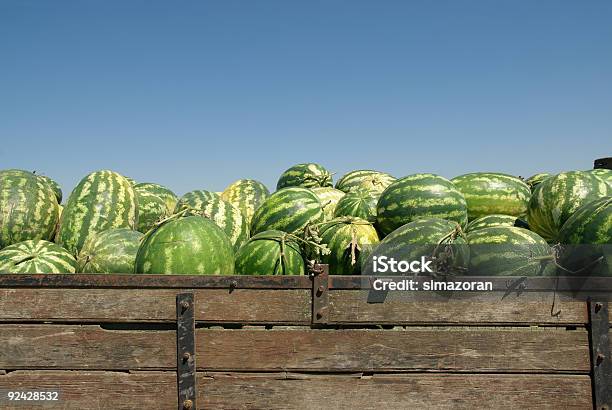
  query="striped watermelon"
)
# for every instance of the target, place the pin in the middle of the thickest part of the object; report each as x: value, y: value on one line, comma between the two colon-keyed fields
x: 270, y: 253
x: 36, y: 256
x: 130, y: 180
x: 210, y: 205
x: 345, y: 238
x: 495, y: 220
x: 329, y: 198
x: 435, y: 239
x: 556, y: 198
x: 155, y: 203
x: 535, y: 180
x: 369, y: 180
x: 419, y: 196
x: 246, y: 195
x: 488, y: 193
x: 605, y: 174
x: 57, y: 190
x: 28, y: 207
x: 359, y: 204
x: 305, y: 175
x: 588, y: 232
x: 509, y: 251
x: 191, y: 245
x: 111, y: 251
x: 101, y: 201
x: 289, y: 210
x: 160, y: 191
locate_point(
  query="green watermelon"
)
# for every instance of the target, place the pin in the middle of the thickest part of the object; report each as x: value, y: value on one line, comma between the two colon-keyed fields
x: 419, y: 196
x: 160, y: 191
x: 509, y: 251
x: 36, y: 256
x: 359, y: 204
x: 191, y: 245
x: 495, y: 220
x: 111, y: 251
x: 289, y: 210
x: 556, y: 198
x: 345, y: 237
x: 488, y: 193
x: 270, y: 253
x: 28, y: 208
x: 369, y: 180
x: 535, y: 180
x: 605, y: 174
x: 306, y: 176
x: 130, y: 180
x: 329, y: 198
x: 101, y: 201
x: 57, y: 190
x: 587, y: 235
x: 151, y: 209
x: 438, y: 240
x: 246, y: 195
x: 210, y: 205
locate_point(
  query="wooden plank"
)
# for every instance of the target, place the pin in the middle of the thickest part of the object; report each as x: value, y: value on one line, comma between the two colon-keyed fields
x: 157, y: 390
x: 250, y: 306
x: 400, y: 308
x: 414, y: 349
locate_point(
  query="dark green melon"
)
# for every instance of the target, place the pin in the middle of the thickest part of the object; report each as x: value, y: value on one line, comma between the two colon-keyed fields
x: 57, y: 190
x: 111, y: 251
x: 488, y: 193
x: 509, y: 251
x: 246, y: 195
x: 28, y: 208
x: 374, y: 182
x: 419, y: 196
x: 329, y: 198
x: 305, y: 175
x: 270, y: 253
x: 288, y: 210
x: 495, y: 220
x: 192, y: 245
x: 358, y: 204
x: 556, y: 198
x: 102, y: 200
x: 36, y: 256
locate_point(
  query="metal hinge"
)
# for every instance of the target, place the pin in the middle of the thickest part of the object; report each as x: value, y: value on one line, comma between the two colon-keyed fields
x: 185, y: 351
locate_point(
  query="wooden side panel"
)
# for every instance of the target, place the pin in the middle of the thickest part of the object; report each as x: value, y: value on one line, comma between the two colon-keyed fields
x: 352, y: 307
x: 154, y: 305
x: 300, y: 349
x: 157, y: 390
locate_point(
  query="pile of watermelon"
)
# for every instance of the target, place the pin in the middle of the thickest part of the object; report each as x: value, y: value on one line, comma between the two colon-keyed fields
x: 479, y: 223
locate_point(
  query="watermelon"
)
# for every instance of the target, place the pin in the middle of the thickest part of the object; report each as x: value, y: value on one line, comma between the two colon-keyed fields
x: 556, y: 198
x: 210, y: 205
x: 289, y: 210
x: 495, y: 220
x: 359, y: 204
x: 419, y: 196
x: 345, y: 237
x: 102, y: 200
x: 130, y: 180
x: 246, y: 195
x: 509, y: 251
x: 151, y: 208
x: 369, y: 180
x: 111, y: 251
x: 587, y: 235
x: 57, y: 190
x: 438, y: 240
x: 488, y: 193
x: 36, y: 256
x: 305, y: 175
x: 190, y: 245
x: 329, y: 198
x: 160, y: 191
x: 535, y: 180
x: 605, y: 174
x: 270, y: 253
x: 28, y: 208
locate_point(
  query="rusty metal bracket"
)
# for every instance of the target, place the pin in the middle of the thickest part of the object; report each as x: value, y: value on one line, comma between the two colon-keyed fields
x: 601, y: 362
x: 320, y: 294
x: 185, y: 351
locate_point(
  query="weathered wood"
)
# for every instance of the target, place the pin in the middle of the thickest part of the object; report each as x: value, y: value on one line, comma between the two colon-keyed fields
x: 414, y: 349
x: 157, y: 390
x: 352, y: 307
x: 154, y: 305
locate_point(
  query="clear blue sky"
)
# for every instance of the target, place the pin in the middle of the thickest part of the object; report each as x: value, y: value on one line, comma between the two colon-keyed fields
x: 196, y: 94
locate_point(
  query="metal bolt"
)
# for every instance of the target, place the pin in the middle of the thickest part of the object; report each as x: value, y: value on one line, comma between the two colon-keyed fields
x: 187, y: 404
x: 598, y: 307
x: 600, y: 358
x: 185, y: 305
x: 186, y: 356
